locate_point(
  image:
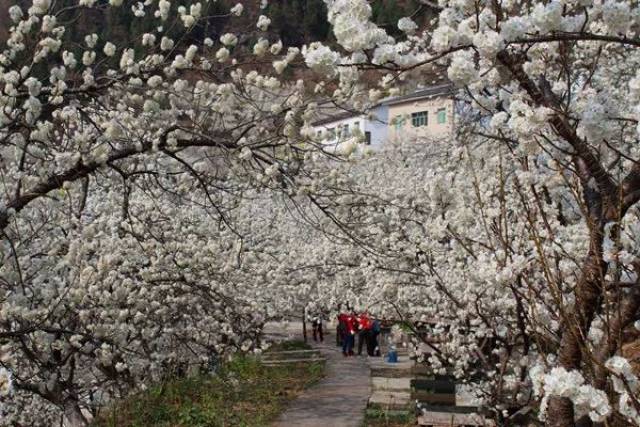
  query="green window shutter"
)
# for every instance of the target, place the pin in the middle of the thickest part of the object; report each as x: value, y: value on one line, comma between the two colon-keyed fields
x: 398, y: 123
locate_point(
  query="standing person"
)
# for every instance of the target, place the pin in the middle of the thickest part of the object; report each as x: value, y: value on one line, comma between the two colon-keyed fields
x: 349, y: 335
x: 375, y: 332
x: 341, y: 329
x: 364, y: 333
x: 317, y: 328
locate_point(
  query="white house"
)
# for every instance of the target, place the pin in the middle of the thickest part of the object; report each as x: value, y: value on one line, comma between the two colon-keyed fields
x: 371, y: 128
x: 426, y: 114
x: 423, y: 115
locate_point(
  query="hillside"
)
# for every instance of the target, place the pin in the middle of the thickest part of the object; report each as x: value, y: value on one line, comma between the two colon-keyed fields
x: 295, y: 22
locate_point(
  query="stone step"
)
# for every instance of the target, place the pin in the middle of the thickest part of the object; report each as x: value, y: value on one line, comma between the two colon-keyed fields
x: 434, y: 398
x: 423, y: 406
x: 288, y: 361
x: 384, y: 383
x: 443, y: 391
x: 402, y: 351
x: 390, y: 413
x: 381, y: 362
x: 403, y: 369
x: 391, y: 372
x: 447, y: 386
x: 444, y: 419
x: 389, y: 399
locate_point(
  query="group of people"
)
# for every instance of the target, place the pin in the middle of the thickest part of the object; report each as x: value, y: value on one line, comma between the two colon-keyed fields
x: 362, y: 325
x: 351, y: 325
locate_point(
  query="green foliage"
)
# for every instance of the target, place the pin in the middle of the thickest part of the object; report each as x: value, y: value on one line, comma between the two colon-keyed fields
x: 243, y: 393
x: 315, y: 21
x: 405, y: 327
x: 315, y: 370
x: 387, y: 13
x: 286, y: 22
x: 295, y: 22
x: 384, y: 418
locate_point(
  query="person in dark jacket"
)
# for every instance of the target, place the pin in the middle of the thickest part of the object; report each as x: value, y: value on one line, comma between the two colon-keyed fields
x: 316, y: 323
x: 375, y: 333
x: 341, y: 329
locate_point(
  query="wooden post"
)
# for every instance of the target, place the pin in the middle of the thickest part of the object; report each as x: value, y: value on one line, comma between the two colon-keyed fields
x: 304, y: 324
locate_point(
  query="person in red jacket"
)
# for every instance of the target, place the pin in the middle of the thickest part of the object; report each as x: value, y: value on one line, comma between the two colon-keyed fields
x: 349, y: 334
x: 364, y: 333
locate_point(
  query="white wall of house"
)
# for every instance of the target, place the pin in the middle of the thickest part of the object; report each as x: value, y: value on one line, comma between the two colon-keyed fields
x: 339, y: 130
x: 378, y: 125
x: 373, y: 127
x: 437, y: 121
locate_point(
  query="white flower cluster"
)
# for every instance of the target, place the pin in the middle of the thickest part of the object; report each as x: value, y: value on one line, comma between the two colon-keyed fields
x: 352, y: 26
x: 462, y: 70
x: 222, y: 55
x: 6, y: 383
x: 261, y: 47
x: 407, y: 25
x: 280, y: 65
x: 189, y: 19
x: 263, y: 23
x: 237, y: 9
x: 625, y: 383
x: 570, y: 384
x: 321, y: 58
x: 109, y: 49
x: 229, y: 39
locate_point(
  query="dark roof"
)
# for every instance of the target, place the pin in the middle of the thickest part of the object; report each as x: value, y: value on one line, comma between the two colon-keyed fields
x: 443, y: 89
x: 336, y: 117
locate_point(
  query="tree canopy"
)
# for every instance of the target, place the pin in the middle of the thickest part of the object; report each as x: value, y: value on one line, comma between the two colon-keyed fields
x: 164, y: 194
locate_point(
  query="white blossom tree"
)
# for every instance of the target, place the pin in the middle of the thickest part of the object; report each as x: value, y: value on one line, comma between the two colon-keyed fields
x: 124, y: 170
x: 553, y: 197
x: 144, y: 228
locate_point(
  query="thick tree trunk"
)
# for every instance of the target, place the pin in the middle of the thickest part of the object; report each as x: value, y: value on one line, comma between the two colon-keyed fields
x: 73, y: 416
x: 588, y: 295
x: 560, y: 412
x: 304, y: 324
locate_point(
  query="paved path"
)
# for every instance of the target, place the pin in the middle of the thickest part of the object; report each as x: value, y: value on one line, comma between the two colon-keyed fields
x: 338, y: 400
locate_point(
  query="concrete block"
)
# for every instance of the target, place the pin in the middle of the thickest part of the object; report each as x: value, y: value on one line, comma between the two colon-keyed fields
x: 389, y: 400
x: 384, y: 383
x: 464, y: 396
x: 443, y: 419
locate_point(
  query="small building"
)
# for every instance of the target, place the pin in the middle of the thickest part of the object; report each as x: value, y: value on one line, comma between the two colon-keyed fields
x: 427, y: 114
x: 424, y: 114
x: 371, y: 128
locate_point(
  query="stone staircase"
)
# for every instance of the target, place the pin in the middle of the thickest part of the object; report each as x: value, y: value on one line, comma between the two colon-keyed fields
x: 393, y: 390
x: 278, y: 358
x: 442, y: 418
x: 391, y: 383
x: 441, y: 402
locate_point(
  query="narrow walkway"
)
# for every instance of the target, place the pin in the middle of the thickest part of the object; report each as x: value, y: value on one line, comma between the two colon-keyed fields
x: 338, y: 400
